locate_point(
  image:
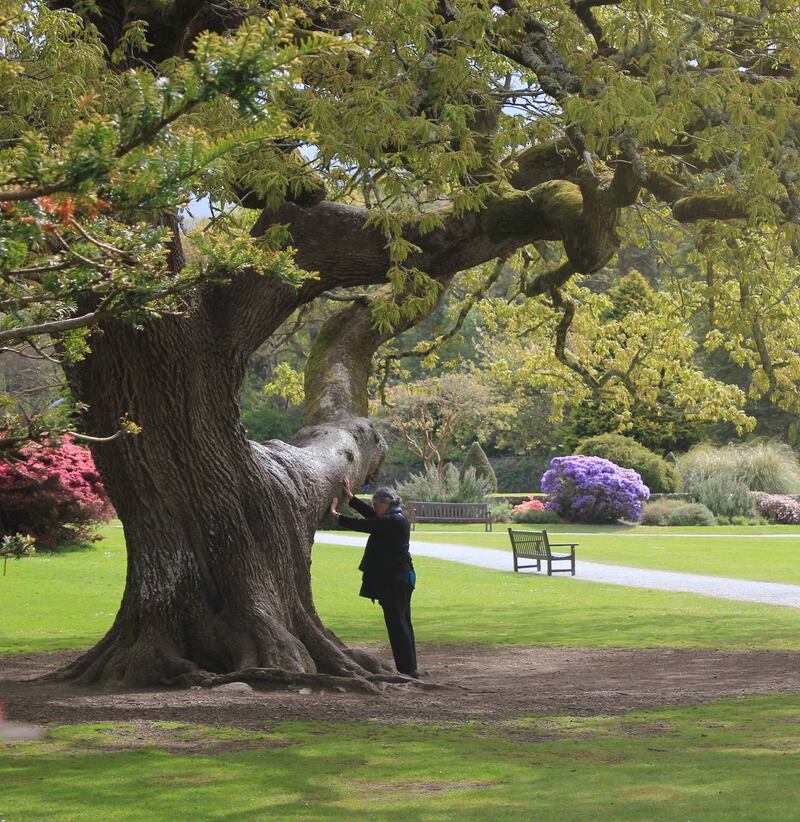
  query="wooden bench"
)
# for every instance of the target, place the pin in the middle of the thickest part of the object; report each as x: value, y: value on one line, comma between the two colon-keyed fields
x: 535, y: 545
x: 449, y: 512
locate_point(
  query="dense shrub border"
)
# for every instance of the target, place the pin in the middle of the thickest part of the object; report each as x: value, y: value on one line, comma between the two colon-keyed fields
x: 778, y: 508
x: 656, y: 473
x: 54, y: 493
x: 676, y: 512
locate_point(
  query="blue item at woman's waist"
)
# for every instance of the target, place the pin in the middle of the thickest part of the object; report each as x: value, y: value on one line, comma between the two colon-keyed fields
x: 410, y: 578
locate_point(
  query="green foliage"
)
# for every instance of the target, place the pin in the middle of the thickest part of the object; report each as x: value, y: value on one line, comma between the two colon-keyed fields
x: 657, y: 474
x: 740, y: 520
x: 433, y: 415
x: 632, y: 293
x: 286, y: 383
x: 516, y: 473
x: 265, y: 421
x: 500, y: 511
x: 771, y: 467
x: 16, y: 546
x: 724, y: 494
x: 266, y: 417
x: 445, y: 486
x: 660, y: 428
x: 676, y: 512
x: 626, y: 371
x: 724, y: 478
x: 476, y: 458
x: 543, y: 517
x: 96, y: 163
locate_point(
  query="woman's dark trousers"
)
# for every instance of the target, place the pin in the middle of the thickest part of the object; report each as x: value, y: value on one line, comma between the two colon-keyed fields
x: 396, y: 604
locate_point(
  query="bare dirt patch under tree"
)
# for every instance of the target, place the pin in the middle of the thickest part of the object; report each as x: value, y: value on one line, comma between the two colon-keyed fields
x: 476, y: 683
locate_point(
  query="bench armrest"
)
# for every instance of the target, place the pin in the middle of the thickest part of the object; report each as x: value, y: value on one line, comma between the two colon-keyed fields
x: 564, y: 544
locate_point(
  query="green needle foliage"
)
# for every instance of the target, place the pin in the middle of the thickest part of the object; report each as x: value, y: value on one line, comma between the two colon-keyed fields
x: 476, y: 459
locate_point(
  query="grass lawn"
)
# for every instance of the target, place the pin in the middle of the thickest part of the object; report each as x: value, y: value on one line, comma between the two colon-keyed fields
x: 731, y: 759
x: 61, y: 601
x: 722, y: 761
x: 768, y: 553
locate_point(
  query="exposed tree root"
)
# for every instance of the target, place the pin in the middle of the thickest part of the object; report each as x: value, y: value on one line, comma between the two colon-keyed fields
x: 276, y: 677
x: 368, y: 661
x: 402, y: 679
x: 265, y: 678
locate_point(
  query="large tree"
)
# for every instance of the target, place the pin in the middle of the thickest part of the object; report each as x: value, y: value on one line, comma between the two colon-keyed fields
x: 444, y: 134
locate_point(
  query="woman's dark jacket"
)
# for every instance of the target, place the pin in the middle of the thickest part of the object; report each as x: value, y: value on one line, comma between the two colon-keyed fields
x: 386, y: 558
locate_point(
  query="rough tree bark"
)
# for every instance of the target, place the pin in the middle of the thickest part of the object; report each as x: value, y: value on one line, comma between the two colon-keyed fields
x: 218, y: 529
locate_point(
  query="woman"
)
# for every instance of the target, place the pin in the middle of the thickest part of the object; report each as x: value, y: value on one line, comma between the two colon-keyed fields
x: 387, y: 570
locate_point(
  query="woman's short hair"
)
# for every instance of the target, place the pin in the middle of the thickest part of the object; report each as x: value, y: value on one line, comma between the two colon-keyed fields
x: 386, y: 495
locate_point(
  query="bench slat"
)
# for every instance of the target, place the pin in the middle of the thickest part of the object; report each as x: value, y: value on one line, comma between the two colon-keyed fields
x: 450, y: 512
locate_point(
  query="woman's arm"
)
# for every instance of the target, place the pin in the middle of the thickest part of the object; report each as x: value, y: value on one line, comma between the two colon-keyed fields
x: 363, y: 508
x: 371, y: 525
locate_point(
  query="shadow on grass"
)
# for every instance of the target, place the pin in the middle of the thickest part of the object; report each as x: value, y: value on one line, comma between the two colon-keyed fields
x: 727, y: 760
x: 72, y: 547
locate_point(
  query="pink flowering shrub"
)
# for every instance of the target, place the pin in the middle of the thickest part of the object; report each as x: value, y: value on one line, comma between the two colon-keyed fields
x: 533, y: 512
x: 778, y: 508
x: 53, y: 493
x: 530, y: 504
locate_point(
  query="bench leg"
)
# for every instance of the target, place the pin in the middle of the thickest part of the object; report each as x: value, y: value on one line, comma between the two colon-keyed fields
x: 515, y: 562
x: 549, y: 567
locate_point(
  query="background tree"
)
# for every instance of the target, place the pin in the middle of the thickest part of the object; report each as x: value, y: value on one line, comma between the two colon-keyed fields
x: 477, y: 460
x: 446, y: 136
x: 434, y: 415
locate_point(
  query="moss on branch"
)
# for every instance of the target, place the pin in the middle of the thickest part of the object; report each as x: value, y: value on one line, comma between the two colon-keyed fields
x: 550, y: 210
x: 542, y: 162
x: 339, y: 366
x: 708, y: 207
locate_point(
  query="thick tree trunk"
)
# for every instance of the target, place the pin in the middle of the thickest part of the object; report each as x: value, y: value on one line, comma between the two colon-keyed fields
x: 218, y: 529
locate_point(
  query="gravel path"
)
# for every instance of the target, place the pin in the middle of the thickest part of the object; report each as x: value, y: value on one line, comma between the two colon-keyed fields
x: 744, y: 590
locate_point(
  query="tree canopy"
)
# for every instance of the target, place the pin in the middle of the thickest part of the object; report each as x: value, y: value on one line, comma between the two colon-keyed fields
x: 505, y: 125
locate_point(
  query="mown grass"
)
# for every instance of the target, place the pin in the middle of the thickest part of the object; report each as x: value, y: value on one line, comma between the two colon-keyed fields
x: 767, y: 553
x: 65, y: 601
x: 733, y: 759
x: 721, y: 761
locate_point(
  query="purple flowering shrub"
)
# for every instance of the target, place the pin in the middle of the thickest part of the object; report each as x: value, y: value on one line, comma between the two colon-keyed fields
x: 778, y: 508
x: 593, y: 489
